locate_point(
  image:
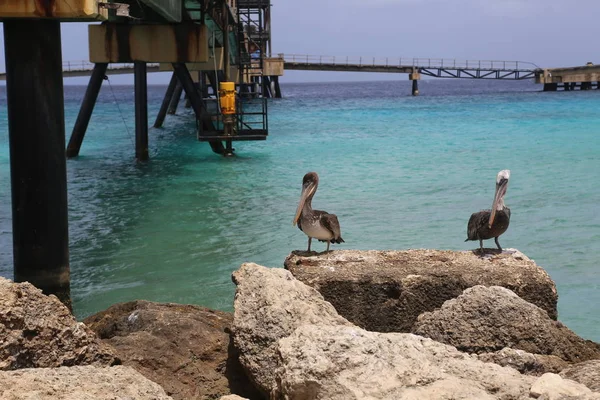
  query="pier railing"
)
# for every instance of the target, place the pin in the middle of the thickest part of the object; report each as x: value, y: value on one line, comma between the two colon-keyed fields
x: 501, y: 65
x: 80, y: 66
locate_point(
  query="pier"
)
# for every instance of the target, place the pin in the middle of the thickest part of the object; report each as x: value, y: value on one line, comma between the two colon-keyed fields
x: 216, y: 53
x: 584, y: 78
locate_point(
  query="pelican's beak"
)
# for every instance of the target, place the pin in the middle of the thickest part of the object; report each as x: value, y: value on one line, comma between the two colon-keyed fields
x: 500, y: 192
x: 307, y: 191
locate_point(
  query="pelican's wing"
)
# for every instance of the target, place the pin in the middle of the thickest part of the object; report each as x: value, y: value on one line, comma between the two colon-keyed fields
x: 331, y: 223
x: 476, y: 222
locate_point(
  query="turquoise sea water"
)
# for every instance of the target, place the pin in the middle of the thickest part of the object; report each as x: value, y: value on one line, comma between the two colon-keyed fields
x: 399, y: 171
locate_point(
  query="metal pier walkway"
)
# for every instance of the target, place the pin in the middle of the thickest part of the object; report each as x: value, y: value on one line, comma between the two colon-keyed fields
x: 434, y: 67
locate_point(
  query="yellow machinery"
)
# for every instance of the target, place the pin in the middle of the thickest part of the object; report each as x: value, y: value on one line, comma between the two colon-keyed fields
x: 227, y: 103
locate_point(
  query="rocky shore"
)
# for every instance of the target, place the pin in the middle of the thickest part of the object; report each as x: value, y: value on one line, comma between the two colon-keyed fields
x: 416, y: 324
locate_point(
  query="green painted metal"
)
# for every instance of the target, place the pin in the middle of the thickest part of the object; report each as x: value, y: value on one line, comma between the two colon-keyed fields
x: 169, y: 9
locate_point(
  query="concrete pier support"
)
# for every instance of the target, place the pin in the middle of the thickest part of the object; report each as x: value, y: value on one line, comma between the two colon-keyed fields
x: 162, y: 113
x: 550, y: 87
x: 415, y: 76
x: 87, y: 107
x: 36, y: 130
x: 141, y: 111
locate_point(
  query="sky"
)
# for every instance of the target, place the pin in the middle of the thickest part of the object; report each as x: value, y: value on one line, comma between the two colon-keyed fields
x: 549, y: 33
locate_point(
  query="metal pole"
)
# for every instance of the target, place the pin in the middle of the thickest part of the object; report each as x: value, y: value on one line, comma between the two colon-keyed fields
x: 162, y: 113
x: 141, y: 111
x: 226, y: 60
x: 86, y: 110
x: 175, y: 99
x: 36, y: 131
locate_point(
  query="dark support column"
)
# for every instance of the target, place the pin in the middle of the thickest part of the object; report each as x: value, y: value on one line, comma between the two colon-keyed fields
x: 203, y: 84
x: 266, y: 87
x: 277, y: 88
x: 550, y: 87
x: 36, y: 131
x: 87, y: 107
x: 141, y: 111
x: 415, y: 87
x: 162, y: 113
x: 175, y: 99
x: 187, y: 103
x: 188, y: 85
x: 226, y: 61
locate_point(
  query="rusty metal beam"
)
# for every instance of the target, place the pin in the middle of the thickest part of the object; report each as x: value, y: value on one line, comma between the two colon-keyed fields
x: 36, y: 130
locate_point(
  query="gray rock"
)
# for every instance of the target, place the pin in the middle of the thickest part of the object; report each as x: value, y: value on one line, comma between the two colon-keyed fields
x: 184, y: 348
x: 553, y: 387
x: 38, y: 331
x: 483, y: 320
x: 587, y: 373
x: 385, y: 291
x: 524, y: 362
x: 78, y: 383
x: 269, y: 305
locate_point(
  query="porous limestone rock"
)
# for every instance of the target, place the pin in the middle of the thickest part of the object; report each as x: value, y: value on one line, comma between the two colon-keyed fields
x: 78, y: 383
x: 487, y: 319
x: 385, y: 291
x: 232, y: 397
x: 269, y: 305
x: 38, y: 331
x: 524, y: 362
x: 295, y: 346
x: 184, y: 348
x: 587, y: 373
x: 553, y: 387
x: 341, y: 362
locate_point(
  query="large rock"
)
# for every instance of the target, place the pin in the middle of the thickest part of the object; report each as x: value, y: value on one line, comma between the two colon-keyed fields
x: 295, y: 346
x: 38, y: 331
x: 269, y: 305
x: 184, y: 348
x: 587, y: 372
x: 487, y: 319
x: 553, y: 387
x: 385, y: 291
x: 78, y: 383
x: 524, y: 362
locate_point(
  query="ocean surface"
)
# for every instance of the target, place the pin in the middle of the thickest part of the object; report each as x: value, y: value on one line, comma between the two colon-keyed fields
x: 399, y: 171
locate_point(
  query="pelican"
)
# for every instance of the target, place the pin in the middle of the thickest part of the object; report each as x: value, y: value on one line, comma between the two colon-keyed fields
x: 315, y: 223
x: 487, y: 224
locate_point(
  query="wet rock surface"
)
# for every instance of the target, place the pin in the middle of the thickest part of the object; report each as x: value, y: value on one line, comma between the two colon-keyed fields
x: 385, y: 291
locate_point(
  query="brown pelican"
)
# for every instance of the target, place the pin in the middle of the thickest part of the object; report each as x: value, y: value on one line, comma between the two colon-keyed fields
x: 315, y: 223
x: 487, y: 224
